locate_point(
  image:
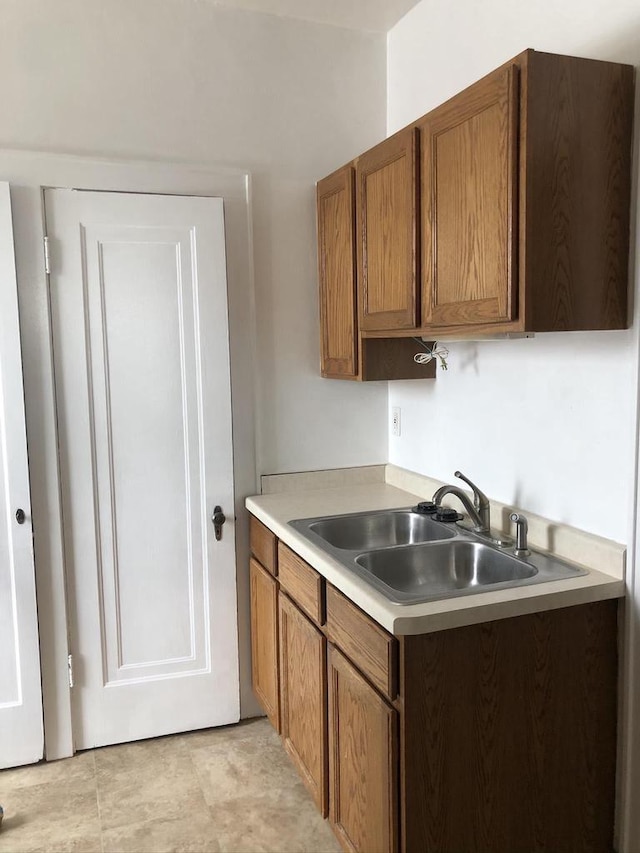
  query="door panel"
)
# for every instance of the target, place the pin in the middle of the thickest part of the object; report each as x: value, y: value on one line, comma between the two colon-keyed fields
x: 337, y: 273
x: 21, y: 730
x: 387, y: 233
x: 363, y: 761
x: 469, y: 204
x: 264, y: 641
x: 142, y: 375
x: 303, y: 698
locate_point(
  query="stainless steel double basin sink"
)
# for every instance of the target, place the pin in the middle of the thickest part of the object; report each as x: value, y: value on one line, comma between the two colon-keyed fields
x: 412, y: 558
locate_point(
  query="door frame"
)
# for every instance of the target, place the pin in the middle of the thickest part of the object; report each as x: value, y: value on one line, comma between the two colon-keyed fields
x: 28, y: 173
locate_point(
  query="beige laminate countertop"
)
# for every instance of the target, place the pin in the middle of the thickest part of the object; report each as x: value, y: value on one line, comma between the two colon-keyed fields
x: 276, y: 510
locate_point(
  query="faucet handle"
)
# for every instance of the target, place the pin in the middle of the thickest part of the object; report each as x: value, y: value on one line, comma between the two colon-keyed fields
x: 480, y: 500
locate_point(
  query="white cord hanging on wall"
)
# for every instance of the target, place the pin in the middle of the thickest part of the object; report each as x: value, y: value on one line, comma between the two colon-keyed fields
x: 436, y: 351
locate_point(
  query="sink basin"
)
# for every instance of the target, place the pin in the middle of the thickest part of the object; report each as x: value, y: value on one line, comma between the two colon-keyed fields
x: 410, y: 558
x: 428, y: 571
x: 379, y: 530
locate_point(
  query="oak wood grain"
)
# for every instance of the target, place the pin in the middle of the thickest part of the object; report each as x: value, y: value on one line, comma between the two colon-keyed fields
x: 303, y: 698
x: 508, y: 734
x: 302, y: 582
x: 469, y: 198
x: 369, y: 646
x: 337, y: 274
x: 263, y: 545
x: 387, y: 233
x: 363, y: 762
x: 264, y: 641
x: 565, y: 126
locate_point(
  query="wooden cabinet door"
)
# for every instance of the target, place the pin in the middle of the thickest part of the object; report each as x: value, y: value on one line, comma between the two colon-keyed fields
x: 303, y: 698
x: 363, y: 761
x: 387, y: 233
x: 337, y: 274
x: 264, y: 641
x: 469, y: 204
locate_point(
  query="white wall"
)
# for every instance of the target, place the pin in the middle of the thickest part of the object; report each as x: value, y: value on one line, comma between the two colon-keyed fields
x: 548, y: 423
x: 191, y: 81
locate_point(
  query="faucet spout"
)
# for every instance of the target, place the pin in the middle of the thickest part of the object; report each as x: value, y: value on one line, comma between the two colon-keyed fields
x: 480, y: 525
x: 480, y: 500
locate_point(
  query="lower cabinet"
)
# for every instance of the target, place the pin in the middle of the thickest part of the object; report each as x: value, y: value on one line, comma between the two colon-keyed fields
x: 494, y: 737
x: 303, y: 698
x: 363, y: 761
x: 264, y: 640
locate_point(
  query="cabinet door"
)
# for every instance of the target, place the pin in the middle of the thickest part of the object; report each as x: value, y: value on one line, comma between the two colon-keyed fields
x: 337, y: 274
x: 469, y: 203
x: 303, y: 698
x: 387, y: 233
x: 363, y: 761
x: 264, y: 641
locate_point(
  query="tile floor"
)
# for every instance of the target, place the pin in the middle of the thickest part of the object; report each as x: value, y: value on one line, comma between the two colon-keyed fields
x: 227, y: 790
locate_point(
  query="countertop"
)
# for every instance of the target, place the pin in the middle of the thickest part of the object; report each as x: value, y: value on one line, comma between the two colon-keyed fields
x: 276, y: 510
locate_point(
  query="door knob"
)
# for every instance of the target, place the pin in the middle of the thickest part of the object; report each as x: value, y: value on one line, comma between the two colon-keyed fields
x: 218, y: 519
x: 20, y: 516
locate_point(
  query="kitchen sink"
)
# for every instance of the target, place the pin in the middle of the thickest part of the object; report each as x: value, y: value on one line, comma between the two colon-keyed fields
x: 411, y: 558
x: 448, y: 567
x: 371, y: 530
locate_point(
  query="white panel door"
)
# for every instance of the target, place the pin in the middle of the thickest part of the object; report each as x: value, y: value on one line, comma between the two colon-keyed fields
x: 141, y: 350
x: 21, y: 732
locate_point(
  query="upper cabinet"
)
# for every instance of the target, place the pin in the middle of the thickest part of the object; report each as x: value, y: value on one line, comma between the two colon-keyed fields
x: 469, y: 197
x: 337, y: 274
x: 525, y: 200
x: 344, y: 353
x: 387, y: 233
x: 503, y: 211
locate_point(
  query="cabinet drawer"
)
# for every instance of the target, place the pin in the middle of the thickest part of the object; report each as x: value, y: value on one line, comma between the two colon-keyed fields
x: 302, y: 583
x: 369, y: 646
x: 263, y: 545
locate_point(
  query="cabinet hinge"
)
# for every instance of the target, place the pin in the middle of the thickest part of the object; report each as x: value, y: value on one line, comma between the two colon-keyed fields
x: 47, y: 256
x: 70, y: 669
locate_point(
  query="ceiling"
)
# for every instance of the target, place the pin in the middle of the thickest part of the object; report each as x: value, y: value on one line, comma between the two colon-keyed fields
x: 373, y: 15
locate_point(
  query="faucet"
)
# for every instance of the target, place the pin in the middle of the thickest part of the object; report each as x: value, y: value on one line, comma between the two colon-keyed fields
x: 479, y: 511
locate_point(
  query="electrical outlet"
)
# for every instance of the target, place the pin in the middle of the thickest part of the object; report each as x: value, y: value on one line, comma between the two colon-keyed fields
x: 395, y: 421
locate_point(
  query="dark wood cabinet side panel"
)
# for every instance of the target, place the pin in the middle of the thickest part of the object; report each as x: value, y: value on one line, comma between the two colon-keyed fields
x: 580, y: 114
x: 509, y: 734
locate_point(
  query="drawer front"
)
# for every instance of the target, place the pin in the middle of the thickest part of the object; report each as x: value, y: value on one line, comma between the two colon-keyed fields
x: 263, y: 545
x: 302, y: 583
x: 369, y: 646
